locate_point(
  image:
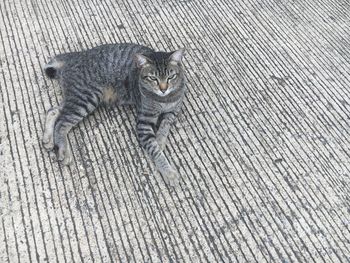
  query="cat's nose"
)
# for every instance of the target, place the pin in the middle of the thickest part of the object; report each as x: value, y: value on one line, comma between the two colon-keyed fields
x: 163, y: 87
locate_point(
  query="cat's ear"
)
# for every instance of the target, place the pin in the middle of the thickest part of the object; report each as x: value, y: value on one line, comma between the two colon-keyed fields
x: 176, y: 56
x: 141, y: 60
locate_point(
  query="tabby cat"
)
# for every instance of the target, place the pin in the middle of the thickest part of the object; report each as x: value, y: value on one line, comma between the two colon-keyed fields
x: 118, y: 74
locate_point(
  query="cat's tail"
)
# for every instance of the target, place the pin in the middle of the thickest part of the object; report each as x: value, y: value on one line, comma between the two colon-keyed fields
x: 53, y: 68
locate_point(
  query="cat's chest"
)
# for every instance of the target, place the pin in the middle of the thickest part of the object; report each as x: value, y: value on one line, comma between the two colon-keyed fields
x: 157, y: 108
x: 164, y: 107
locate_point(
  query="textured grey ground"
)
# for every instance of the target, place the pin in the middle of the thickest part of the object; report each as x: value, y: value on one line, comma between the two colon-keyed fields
x: 262, y: 145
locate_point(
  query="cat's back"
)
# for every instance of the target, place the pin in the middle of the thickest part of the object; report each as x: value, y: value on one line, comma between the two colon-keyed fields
x: 106, y: 55
x: 101, y: 63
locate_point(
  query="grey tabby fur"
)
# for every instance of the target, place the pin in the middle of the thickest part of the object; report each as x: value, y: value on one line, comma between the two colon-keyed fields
x: 118, y: 74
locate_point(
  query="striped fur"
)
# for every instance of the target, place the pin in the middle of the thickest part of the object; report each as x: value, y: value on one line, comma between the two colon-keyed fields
x: 118, y: 74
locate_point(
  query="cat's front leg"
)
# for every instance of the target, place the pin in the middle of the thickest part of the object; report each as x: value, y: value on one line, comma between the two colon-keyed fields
x: 147, y: 139
x: 163, y: 131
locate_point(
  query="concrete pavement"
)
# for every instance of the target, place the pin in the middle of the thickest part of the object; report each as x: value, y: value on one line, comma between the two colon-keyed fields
x: 262, y: 144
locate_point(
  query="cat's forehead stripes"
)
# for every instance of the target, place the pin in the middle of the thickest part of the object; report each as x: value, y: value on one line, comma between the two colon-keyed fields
x: 162, y: 71
x: 161, y: 63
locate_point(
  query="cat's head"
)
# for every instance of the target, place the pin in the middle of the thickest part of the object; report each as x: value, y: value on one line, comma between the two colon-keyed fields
x: 160, y: 72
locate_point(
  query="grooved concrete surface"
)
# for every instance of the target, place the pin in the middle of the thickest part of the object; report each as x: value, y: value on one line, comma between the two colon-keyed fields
x: 262, y: 145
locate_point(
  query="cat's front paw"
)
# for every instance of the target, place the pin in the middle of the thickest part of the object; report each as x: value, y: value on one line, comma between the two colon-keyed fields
x: 65, y: 154
x: 161, y: 140
x: 48, y: 143
x: 171, y: 177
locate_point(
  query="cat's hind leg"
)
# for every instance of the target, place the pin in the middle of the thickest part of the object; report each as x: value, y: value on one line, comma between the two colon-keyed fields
x: 74, y: 109
x: 51, y: 117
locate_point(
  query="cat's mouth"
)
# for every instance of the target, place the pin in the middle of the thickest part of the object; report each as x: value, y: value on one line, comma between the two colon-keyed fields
x: 163, y: 93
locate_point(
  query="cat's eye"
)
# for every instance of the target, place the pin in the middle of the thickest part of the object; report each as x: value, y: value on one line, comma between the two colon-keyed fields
x: 151, y: 78
x: 172, y: 77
